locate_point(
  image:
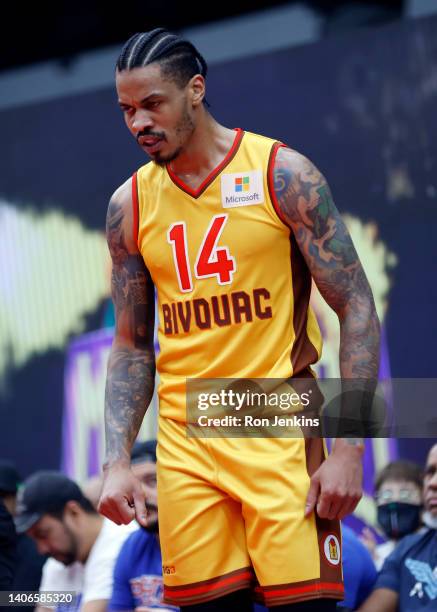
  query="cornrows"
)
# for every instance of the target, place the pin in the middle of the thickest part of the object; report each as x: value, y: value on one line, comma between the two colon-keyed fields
x: 179, y: 59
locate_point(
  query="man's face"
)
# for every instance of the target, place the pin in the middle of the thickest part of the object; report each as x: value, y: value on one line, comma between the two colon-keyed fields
x: 158, y: 114
x: 55, y: 539
x: 430, y: 483
x: 146, y: 473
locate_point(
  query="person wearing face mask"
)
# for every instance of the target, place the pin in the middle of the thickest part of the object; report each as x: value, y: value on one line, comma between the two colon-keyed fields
x: 408, y: 579
x: 398, y: 496
x: 137, y: 583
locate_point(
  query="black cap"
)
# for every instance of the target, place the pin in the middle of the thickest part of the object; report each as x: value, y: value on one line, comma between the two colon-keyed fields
x: 9, y: 477
x: 144, y: 451
x: 42, y: 493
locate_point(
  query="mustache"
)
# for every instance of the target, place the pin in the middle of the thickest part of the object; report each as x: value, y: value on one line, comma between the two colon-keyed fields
x: 150, y: 133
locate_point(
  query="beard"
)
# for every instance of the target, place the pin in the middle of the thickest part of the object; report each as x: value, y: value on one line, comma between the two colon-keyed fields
x: 152, y: 523
x: 162, y: 160
x: 183, y: 130
x: 69, y: 556
x: 430, y: 520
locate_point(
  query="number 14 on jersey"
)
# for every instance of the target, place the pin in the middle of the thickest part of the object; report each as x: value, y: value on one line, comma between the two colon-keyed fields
x: 211, y: 260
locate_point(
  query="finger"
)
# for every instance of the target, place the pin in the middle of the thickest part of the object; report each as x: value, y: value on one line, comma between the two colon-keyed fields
x: 107, y: 510
x: 335, y: 509
x: 347, y: 508
x: 324, y: 505
x: 312, y: 496
x: 367, y: 536
x: 123, y: 509
x: 353, y: 504
x: 139, y: 500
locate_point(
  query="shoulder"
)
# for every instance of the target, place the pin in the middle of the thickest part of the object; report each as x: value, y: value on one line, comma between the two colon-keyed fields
x: 121, y: 218
x: 122, y: 196
x: 113, y: 535
x: 138, y: 539
x: 57, y: 576
x: 294, y: 161
x: 410, y: 543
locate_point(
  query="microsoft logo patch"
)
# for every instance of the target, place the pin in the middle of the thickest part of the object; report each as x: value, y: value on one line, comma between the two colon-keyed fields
x: 244, y: 188
x: 242, y: 183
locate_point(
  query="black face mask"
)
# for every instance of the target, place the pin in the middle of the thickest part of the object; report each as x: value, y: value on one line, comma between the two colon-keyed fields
x: 398, y: 519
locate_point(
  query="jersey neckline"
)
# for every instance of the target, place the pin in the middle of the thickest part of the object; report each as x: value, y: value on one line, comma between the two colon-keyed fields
x: 195, y: 193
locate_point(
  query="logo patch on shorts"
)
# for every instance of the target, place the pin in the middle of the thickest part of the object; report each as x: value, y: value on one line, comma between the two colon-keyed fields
x: 332, y: 550
x: 168, y: 569
x: 242, y: 189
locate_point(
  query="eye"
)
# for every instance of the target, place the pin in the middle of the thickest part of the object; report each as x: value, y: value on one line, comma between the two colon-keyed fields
x: 384, y: 496
x: 155, y: 104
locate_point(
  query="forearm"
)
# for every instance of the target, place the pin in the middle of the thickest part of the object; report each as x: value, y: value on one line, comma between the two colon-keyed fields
x: 129, y: 391
x: 359, y: 365
x: 359, y: 341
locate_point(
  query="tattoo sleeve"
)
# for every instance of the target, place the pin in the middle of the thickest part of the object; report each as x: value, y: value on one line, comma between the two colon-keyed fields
x: 131, y: 367
x: 307, y: 206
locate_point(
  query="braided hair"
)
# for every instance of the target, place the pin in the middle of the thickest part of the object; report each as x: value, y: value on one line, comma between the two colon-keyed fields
x: 178, y: 58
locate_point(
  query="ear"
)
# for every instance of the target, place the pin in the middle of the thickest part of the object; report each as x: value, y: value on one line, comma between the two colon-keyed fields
x: 72, y: 510
x: 197, y: 89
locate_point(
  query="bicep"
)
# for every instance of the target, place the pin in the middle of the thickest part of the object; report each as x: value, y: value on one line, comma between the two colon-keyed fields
x: 307, y: 206
x: 131, y: 285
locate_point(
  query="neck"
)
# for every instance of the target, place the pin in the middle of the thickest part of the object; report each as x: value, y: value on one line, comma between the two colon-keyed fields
x: 90, y: 533
x: 208, y: 145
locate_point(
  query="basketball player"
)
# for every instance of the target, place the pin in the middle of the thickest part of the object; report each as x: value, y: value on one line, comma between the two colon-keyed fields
x: 229, y: 227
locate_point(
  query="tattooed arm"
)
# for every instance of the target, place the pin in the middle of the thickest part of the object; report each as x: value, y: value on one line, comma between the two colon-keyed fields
x: 306, y: 205
x: 131, y: 368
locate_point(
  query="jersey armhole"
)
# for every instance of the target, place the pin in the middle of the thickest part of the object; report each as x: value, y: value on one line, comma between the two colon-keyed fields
x: 135, y: 208
x: 271, y: 180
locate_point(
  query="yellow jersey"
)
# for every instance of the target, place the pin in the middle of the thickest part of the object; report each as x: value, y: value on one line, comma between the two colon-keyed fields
x: 232, y: 287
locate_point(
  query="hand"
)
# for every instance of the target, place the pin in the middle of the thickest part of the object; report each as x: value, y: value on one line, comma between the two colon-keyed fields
x: 367, y: 537
x: 336, y: 487
x: 122, y: 498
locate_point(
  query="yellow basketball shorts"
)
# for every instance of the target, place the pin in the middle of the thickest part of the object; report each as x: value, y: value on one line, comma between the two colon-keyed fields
x: 231, y: 516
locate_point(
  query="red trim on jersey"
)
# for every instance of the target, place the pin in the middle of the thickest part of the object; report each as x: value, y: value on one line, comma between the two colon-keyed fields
x: 269, y: 592
x: 210, y: 585
x: 271, y: 180
x: 135, y: 207
x: 195, y: 193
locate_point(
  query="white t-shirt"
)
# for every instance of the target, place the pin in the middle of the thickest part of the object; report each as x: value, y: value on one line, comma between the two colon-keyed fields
x: 382, y: 551
x: 93, y: 579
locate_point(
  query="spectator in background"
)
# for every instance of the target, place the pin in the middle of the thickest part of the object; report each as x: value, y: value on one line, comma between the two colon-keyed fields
x: 398, y: 495
x: 64, y: 524
x: 29, y: 563
x: 408, y: 579
x: 359, y: 571
x: 92, y: 489
x: 8, y: 546
x: 138, y: 570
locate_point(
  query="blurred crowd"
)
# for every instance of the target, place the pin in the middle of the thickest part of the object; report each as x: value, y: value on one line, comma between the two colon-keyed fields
x: 53, y: 539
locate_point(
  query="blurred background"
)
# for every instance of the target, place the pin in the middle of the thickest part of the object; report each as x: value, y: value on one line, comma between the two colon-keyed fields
x: 352, y: 85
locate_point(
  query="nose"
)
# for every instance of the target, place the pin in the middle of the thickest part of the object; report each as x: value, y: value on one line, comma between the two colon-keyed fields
x: 141, y: 121
x: 433, y: 481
